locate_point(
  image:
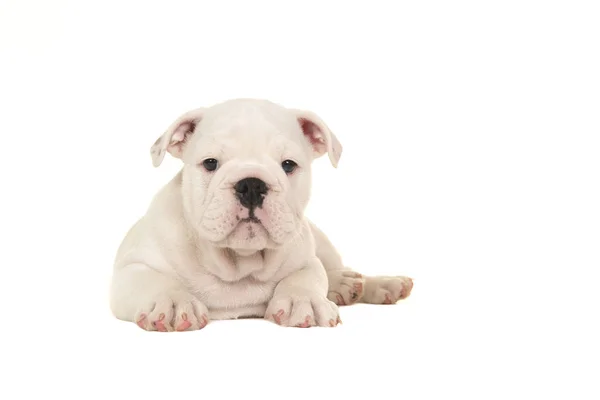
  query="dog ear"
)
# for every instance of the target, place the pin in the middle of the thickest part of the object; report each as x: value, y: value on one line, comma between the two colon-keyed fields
x: 320, y: 136
x: 176, y: 136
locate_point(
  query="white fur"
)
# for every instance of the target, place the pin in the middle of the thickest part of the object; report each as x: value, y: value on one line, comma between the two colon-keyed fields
x: 194, y: 256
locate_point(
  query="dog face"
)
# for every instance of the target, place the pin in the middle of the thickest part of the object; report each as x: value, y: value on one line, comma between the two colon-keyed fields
x: 247, y: 170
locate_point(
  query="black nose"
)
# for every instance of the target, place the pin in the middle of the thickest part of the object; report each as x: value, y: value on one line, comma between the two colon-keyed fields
x: 251, y: 192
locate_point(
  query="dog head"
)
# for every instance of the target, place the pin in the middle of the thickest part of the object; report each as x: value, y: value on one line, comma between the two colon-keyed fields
x: 247, y: 170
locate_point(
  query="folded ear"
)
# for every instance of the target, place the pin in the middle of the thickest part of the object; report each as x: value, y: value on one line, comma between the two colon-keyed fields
x: 176, y: 136
x: 319, y: 135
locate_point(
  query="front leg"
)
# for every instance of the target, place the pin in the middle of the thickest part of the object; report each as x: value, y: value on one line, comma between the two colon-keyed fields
x: 155, y: 301
x: 300, y: 299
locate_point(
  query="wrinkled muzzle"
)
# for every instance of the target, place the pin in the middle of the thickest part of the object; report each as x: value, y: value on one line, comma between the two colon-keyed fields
x: 247, y: 207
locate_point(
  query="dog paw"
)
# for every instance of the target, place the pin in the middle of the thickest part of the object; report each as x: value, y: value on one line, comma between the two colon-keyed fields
x: 172, y: 312
x: 303, y: 311
x: 387, y: 290
x: 345, y: 287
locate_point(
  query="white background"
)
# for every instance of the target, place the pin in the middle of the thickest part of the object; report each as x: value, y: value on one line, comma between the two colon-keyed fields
x: 471, y: 163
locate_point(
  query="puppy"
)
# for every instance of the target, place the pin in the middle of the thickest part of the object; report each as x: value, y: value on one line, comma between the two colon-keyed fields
x: 227, y: 237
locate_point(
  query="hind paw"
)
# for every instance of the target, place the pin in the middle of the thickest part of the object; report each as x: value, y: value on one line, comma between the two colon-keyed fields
x: 345, y: 287
x: 387, y: 290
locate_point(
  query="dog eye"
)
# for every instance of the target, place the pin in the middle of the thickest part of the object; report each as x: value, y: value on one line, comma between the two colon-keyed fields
x: 210, y: 164
x: 288, y: 166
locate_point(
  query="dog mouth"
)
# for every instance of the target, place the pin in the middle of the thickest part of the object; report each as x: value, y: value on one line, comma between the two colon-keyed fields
x: 248, y: 233
x: 251, y: 219
x: 253, y: 227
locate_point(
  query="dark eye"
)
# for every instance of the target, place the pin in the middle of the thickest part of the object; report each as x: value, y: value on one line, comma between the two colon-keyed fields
x: 288, y: 166
x: 210, y: 164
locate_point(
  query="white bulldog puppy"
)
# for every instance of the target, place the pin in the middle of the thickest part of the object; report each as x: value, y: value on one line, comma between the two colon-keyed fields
x: 227, y: 236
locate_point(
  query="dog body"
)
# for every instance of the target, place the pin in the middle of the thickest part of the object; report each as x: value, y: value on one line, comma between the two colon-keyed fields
x: 227, y: 237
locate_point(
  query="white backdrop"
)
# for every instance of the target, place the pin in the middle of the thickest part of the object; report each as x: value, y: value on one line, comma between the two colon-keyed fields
x: 471, y: 163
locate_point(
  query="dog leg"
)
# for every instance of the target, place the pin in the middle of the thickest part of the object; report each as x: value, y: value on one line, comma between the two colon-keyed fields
x: 154, y: 301
x: 347, y: 287
x: 300, y: 299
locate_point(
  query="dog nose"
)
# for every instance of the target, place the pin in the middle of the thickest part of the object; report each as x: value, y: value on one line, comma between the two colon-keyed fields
x: 251, y: 192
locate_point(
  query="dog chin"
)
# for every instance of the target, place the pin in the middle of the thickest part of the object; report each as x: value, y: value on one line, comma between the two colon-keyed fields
x: 248, y: 237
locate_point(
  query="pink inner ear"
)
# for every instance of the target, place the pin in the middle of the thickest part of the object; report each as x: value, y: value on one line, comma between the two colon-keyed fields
x: 182, y: 131
x: 314, y: 135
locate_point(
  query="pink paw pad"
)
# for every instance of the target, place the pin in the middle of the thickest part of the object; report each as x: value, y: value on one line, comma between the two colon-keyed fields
x: 277, y: 317
x: 406, y: 289
x: 185, y: 324
x: 141, y: 322
x: 358, y: 288
x: 203, y: 321
x: 387, y: 300
x: 305, y: 324
x: 159, y: 324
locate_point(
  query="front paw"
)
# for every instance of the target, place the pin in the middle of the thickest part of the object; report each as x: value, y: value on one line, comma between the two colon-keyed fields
x: 177, y: 311
x: 303, y: 310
